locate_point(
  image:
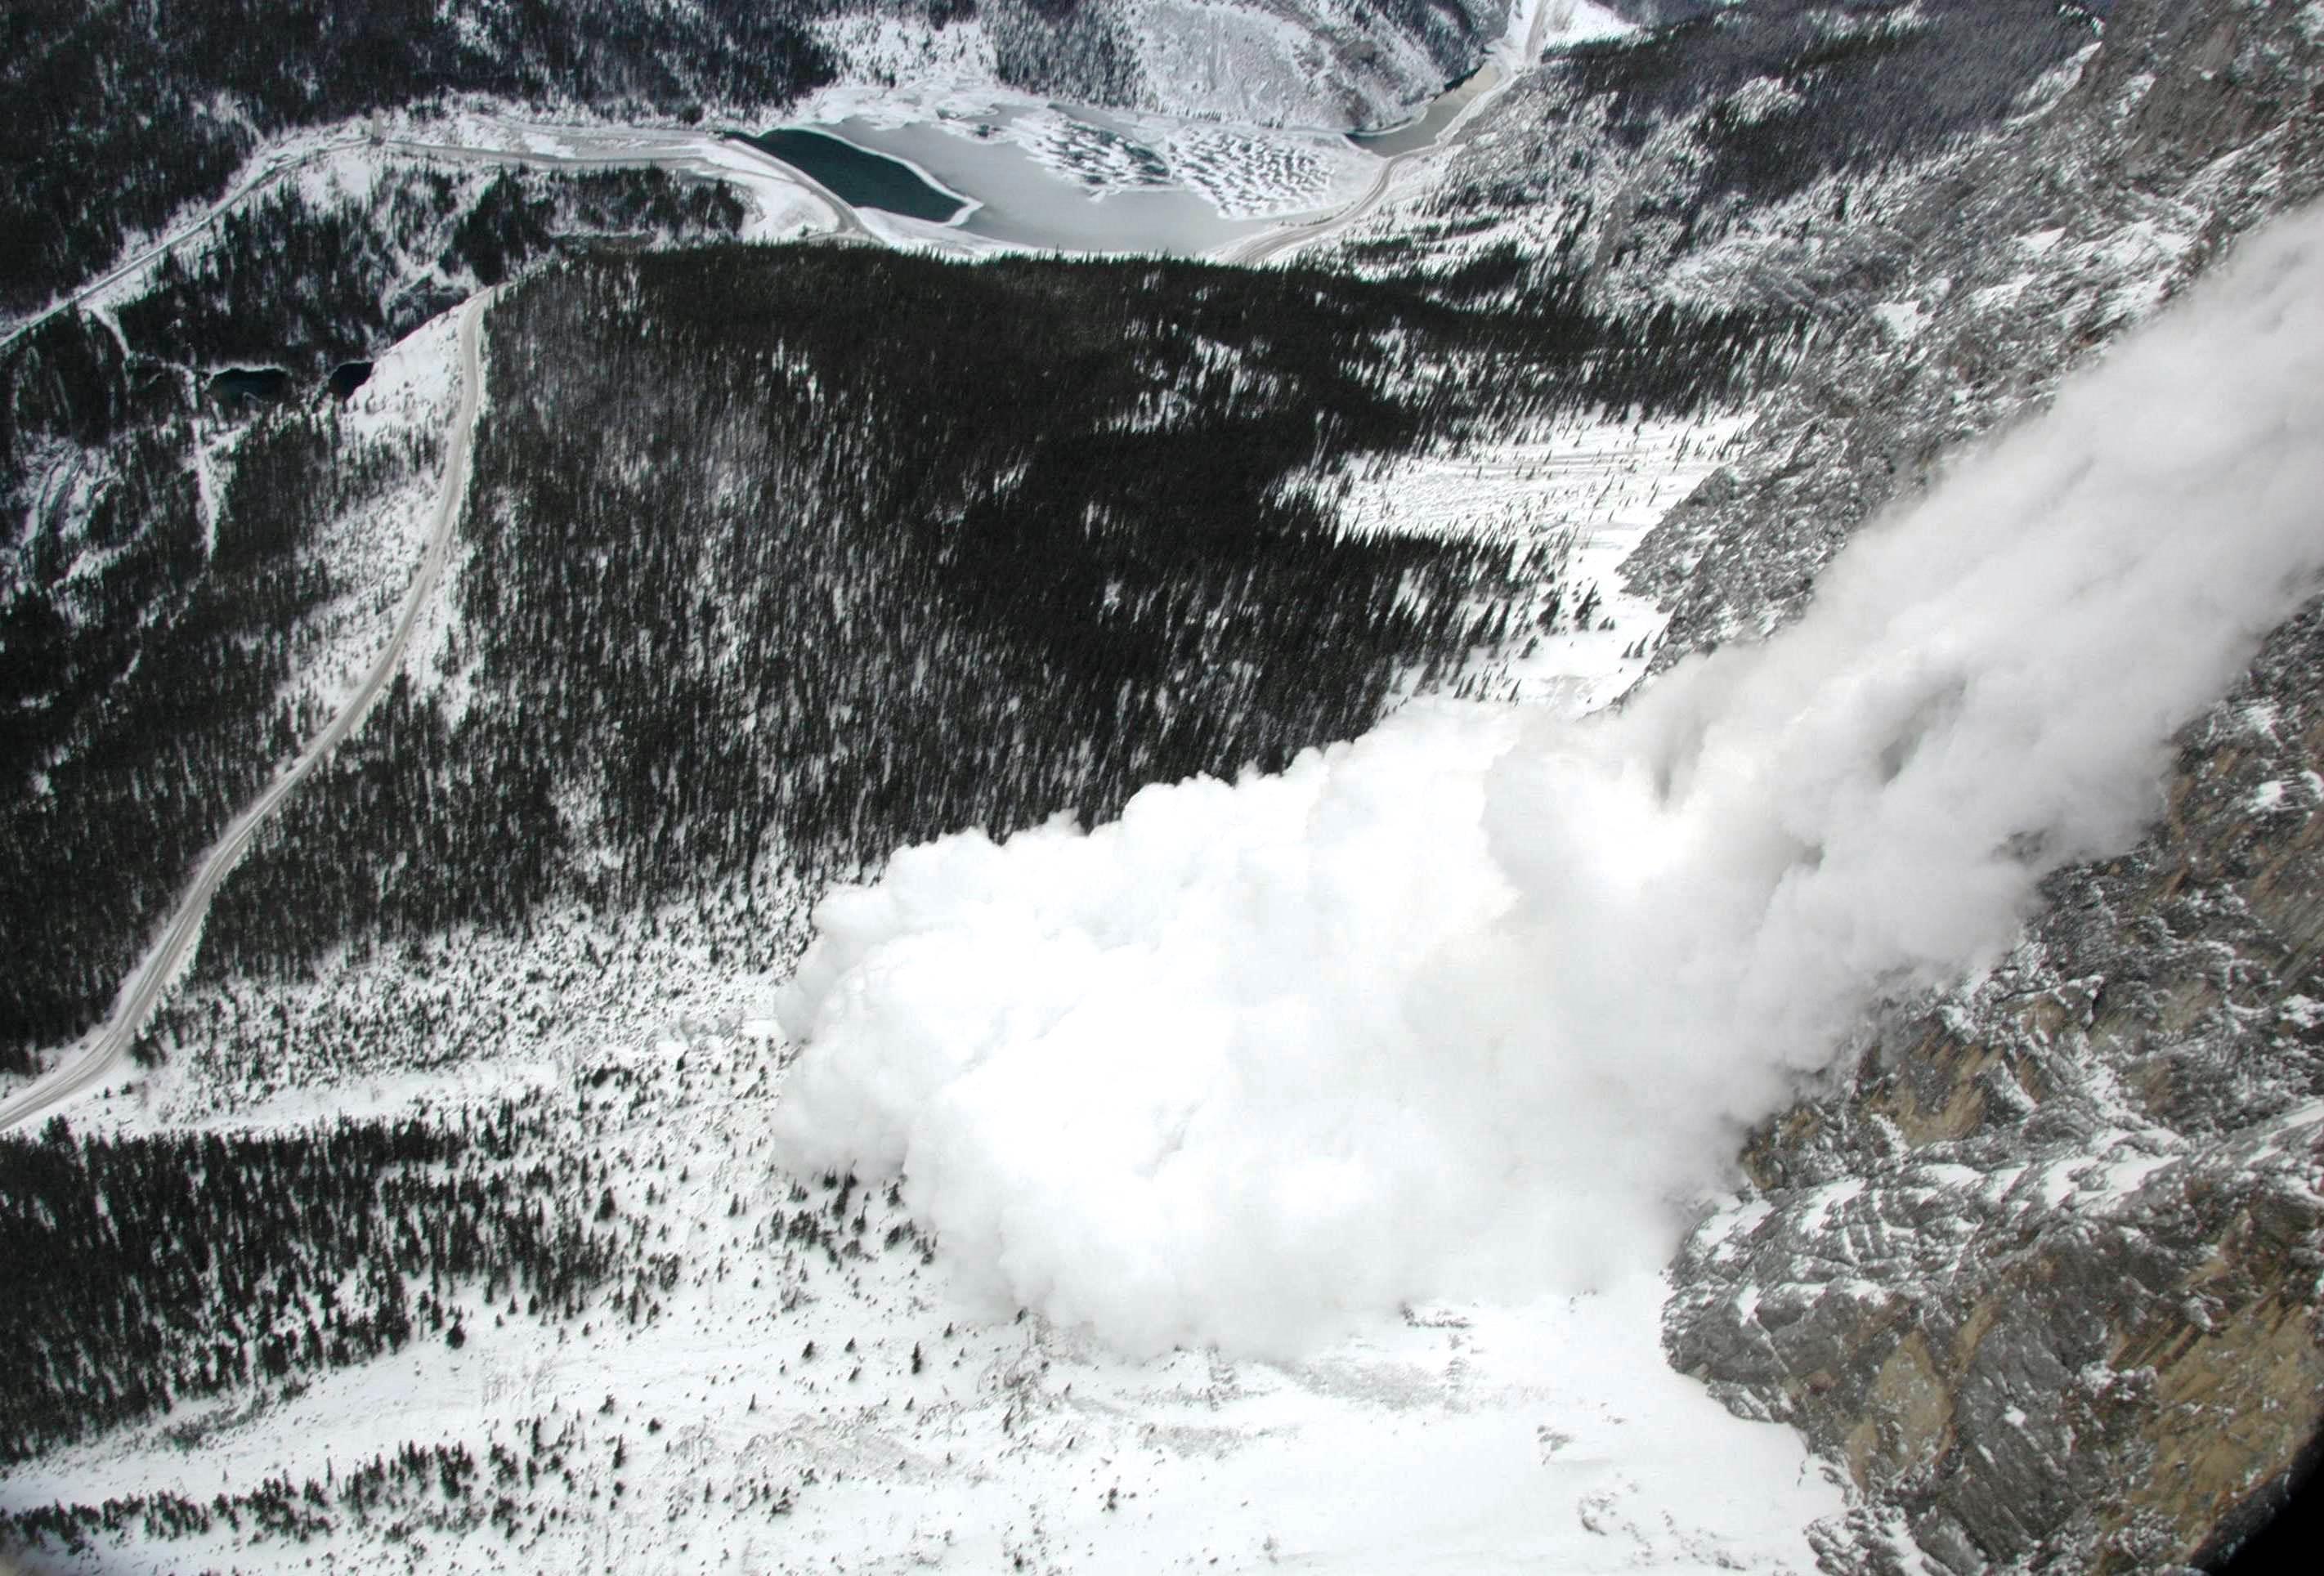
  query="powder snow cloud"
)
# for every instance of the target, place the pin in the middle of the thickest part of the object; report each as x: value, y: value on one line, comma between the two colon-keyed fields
x: 1473, y: 1005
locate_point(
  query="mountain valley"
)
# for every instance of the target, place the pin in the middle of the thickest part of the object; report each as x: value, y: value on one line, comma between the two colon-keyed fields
x: 743, y: 881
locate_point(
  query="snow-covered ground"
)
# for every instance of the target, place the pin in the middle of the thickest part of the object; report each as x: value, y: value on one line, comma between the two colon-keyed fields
x: 372, y: 551
x: 1583, y: 493
x: 1549, y: 1436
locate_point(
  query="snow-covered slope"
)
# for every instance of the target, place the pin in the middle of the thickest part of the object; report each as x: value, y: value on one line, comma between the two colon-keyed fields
x: 2054, y: 1227
x: 1327, y: 63
x: 806, y: 1383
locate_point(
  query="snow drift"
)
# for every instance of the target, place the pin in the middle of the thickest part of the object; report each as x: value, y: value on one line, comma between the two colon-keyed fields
x: 1473, y: 1005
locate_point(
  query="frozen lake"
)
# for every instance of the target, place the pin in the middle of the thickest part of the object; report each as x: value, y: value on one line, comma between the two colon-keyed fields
x: 1075, y: 179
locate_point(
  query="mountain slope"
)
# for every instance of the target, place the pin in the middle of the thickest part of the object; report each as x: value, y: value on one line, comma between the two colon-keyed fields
x: 2091, y: 1173
x: 783, y: 559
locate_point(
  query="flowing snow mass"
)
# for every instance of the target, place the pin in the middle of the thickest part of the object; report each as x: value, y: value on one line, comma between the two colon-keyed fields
x: 1472, y: 1006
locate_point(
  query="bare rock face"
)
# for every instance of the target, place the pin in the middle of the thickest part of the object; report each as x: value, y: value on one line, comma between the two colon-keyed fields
x: 2043, y: 1267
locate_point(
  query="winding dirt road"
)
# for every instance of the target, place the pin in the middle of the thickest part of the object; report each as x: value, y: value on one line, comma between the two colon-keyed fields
x: 99, y: 1053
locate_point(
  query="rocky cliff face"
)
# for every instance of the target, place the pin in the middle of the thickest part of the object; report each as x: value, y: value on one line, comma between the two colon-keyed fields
x: 2042, y: 1265
x: 2043, y: 1268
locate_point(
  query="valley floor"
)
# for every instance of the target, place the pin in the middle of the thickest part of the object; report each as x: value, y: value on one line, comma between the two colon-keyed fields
x: 926, y: 1433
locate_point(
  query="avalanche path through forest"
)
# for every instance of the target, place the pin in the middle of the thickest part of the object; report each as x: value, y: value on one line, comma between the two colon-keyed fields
x: 100, y: 1052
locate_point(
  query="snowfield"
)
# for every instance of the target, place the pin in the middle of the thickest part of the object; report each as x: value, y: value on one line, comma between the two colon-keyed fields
x: 1585, y: 493
x: 1550, y: 1435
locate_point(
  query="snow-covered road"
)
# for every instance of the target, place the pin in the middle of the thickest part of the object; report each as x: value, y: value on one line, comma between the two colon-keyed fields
x: 99, y: 1053
x: 269, y: 173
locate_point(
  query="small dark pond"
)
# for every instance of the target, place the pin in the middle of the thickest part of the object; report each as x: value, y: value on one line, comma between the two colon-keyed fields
x: 858, y: 177
x: 251, y: 385
x: 348, y: 377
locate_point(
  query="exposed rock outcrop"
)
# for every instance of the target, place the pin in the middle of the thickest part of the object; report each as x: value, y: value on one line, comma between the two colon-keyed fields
x: 1956, y: 299
x: 2044, y: 1269
x: 2043, y: 1266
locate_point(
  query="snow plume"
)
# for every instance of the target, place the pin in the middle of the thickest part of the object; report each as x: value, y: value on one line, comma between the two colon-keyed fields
x: 1471, y: 1006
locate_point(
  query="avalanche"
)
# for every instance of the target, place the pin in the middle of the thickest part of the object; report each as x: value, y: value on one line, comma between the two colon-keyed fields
x: 1474, y: 1005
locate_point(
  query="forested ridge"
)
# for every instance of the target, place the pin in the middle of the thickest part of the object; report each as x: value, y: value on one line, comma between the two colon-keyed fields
x: 783, y: 559
x: 301, y: 282
x: 437, y: 1486
x: 148, y: 704
x: 147, y: 647
x: 196, y: 1281
x: 119, y: 114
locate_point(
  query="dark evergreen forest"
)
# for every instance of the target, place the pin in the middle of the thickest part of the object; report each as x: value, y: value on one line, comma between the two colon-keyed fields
x: 114, y: 112
x: 142, y: 707
x: 786, y: 559
x: 148, y: 1271
x: 999, y: 542
x: 304, y: 285
x: 438, y: 1486
x: 144, y: 657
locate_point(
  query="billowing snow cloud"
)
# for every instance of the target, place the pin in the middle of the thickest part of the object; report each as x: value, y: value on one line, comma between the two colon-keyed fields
x: 1473, y: 1005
